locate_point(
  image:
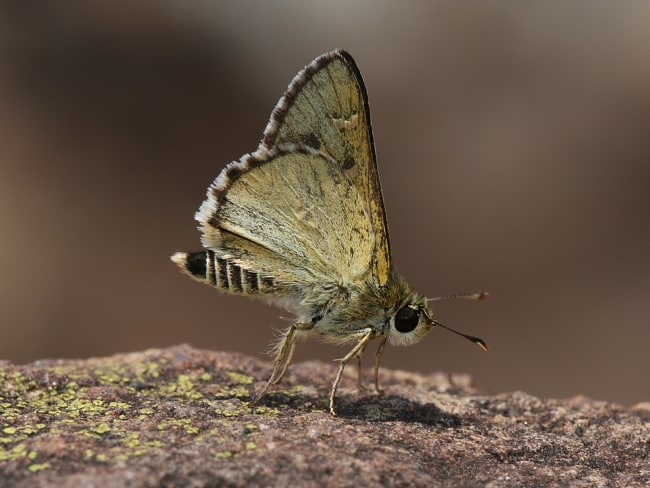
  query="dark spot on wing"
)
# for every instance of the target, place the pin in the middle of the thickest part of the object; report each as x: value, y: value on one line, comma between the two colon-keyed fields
x: 348, y: 162
x: 311, y: 140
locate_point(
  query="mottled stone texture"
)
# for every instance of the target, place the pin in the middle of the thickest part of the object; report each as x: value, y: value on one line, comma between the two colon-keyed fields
x: 179, y: 417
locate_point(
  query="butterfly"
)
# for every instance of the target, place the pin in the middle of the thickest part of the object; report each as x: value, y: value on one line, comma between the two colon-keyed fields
x: 300, y: 223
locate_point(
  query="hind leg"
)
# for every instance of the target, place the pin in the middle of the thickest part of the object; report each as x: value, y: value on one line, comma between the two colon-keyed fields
x: 283, y: 357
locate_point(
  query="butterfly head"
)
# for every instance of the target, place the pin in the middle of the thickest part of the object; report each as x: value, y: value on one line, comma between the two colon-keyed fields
x: 411, y: 322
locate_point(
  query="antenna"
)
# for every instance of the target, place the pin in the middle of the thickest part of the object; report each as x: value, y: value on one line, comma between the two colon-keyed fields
x: 476, y: 340
x: 469, y: 296
x: 481, y: 295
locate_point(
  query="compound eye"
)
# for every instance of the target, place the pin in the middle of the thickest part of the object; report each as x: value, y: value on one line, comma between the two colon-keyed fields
x: 406, y: 319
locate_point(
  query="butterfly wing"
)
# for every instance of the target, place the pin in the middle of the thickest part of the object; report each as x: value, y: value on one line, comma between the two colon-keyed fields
x: 291, y: 215
x: 326, y: 108
x: 303, y: 214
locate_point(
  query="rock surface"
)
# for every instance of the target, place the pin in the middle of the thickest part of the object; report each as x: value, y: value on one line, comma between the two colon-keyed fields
x: 179, y: 417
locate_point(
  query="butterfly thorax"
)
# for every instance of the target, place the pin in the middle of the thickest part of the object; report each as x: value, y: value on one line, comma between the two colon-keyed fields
x: 352, y: 310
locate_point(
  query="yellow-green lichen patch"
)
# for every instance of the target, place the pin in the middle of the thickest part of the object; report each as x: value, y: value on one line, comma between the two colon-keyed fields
x: 223, y: 412
x: 232, y: 392
x: 185, y: 382
x: 102, y: 428
x: 132, y: 439
x: 28, y: 430
x: 14, y: 453
x: 241, y: 379
x: 82, y: 407
x: 111, y: 377
x: 154, y: 444
x: 267, y: 411
x: 231, y: 408
x: 184, y: 424
x: 148, y: 370
x: 185, y: 386
x: 34, y: 468
x: 83, y: 413
x: 15, y: 434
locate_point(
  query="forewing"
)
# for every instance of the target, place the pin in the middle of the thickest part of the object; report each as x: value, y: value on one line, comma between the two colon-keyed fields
x: 326, y: 108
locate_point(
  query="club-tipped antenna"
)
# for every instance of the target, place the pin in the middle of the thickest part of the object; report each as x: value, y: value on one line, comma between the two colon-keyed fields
x: 476, y: 340
x: 482, y: 295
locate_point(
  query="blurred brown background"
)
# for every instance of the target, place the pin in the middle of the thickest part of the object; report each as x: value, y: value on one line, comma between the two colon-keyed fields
x: 514, y: 149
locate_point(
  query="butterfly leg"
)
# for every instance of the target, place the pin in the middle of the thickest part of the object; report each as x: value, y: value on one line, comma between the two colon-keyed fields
x: 283, y: 357
x: 360, y: 372
x: 287, y: 363
x: 292, y: 349
x: 378, y: 354
x: 369, y: 334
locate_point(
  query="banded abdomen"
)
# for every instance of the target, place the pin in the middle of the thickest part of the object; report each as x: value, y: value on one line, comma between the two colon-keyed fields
x: 222, y: 273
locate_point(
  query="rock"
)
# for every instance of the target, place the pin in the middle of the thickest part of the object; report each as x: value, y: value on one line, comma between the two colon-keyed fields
x: 180, y: 417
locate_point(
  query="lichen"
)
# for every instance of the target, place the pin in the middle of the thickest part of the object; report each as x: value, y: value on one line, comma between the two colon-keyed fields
x: 113, y: 408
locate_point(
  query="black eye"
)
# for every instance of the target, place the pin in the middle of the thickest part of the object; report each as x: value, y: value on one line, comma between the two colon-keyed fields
x: 406, y: 319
